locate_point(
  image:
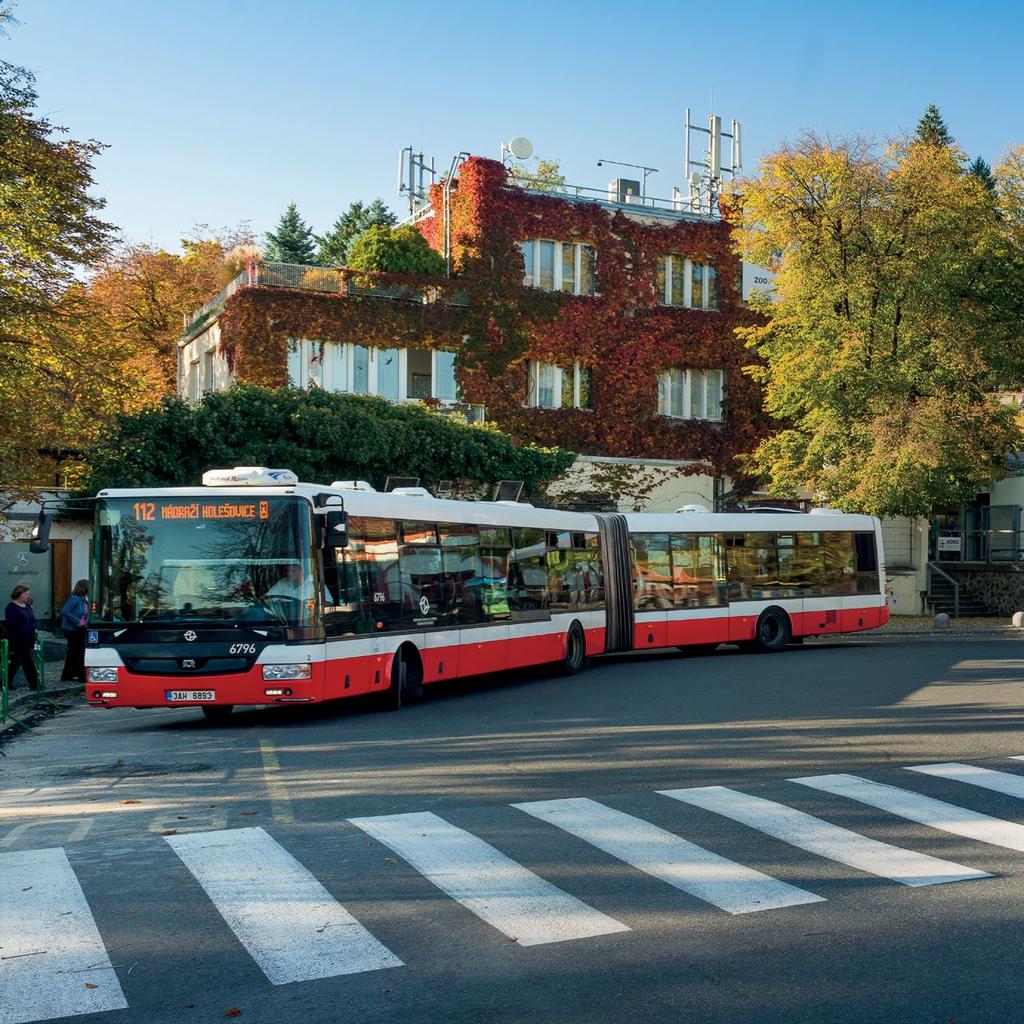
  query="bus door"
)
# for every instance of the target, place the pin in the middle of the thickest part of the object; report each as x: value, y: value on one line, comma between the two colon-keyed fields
x: 653, y: 589
x: 862, y: 608
x: 483, y: 593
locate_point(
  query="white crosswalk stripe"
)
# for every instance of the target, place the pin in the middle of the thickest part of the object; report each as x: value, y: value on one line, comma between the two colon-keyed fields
x: 52, y: 960
x: 498, y: 890
x: 923, y: 809
x: 706, y: 875
x: 289, y: 923
x: 825, y: 839
x: 986, y: 778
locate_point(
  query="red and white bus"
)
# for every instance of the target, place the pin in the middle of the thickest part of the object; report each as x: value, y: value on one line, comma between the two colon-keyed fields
x: 256, y: 589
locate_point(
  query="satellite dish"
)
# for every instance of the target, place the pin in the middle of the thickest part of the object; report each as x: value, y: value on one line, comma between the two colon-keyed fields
x: 520, y: 148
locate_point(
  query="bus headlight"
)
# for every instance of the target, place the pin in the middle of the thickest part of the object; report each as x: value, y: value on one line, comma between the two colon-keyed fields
x: 275, y: 672
x: 102, y: 675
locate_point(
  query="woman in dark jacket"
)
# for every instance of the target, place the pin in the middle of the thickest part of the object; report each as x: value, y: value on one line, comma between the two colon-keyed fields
x: 21, y: 636
x: 73, y: 615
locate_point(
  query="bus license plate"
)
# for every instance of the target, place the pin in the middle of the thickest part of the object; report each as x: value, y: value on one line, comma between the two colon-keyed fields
x: 181, y: 695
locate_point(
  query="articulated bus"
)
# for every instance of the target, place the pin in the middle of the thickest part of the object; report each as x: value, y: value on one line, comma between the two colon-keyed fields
x: 257, y: 589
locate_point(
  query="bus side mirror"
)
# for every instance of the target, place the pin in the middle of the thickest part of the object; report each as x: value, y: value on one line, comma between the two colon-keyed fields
x: 40, y: 542
x: 336, y: 529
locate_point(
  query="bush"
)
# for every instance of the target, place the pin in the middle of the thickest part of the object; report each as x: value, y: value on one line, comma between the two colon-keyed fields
x: 395, y: 251
x: 319, y: 435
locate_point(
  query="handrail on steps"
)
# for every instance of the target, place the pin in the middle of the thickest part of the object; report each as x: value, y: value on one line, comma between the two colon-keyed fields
x: 934, y: 567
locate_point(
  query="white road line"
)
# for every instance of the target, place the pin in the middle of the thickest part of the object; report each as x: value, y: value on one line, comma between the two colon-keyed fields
x: 706, y: 875
x: 986, y: 778
x: 287, y: 921
x: 501, y: 892
x: 825, y: 839
x: 922, y: 809
x: 52, y: 960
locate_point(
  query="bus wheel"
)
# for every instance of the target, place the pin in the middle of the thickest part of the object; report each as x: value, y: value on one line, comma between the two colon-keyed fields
x: 575, y: 650
x: 406, y: 681
x: 217, y: 714
x: 773, y: 630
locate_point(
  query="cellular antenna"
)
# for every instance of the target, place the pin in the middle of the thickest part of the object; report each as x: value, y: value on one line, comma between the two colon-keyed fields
x: 704, y: 177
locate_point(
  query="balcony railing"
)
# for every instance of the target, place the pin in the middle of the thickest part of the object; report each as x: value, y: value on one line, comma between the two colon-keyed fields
x: 332, y: 281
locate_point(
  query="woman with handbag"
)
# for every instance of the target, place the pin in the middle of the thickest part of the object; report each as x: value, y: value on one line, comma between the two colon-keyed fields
x: 73, y: 615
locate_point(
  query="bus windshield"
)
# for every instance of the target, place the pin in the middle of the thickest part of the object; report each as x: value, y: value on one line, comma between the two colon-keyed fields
x: 174, y: 559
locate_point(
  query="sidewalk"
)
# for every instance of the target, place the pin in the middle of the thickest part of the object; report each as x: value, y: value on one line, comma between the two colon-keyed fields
x: 924, y: 625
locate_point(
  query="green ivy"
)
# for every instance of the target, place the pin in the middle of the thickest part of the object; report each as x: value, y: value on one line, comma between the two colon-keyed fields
x: 319, y: 435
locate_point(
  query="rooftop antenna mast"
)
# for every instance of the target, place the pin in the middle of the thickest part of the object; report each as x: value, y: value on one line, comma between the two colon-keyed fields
x: 413, y: 172
x: 704, y: 177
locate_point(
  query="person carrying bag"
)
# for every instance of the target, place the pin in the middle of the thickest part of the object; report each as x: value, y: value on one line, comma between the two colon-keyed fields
x: 73, y: 616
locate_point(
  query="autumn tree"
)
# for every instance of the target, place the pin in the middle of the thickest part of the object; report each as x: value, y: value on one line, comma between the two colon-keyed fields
x: 141, y: 292
x: 334, y: 247
x: 545, y: 177
x: 890, y: 326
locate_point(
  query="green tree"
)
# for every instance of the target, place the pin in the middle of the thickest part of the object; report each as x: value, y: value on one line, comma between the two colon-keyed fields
x: 932, y: 128
x: 981, y: 169
x: 395, y: 250
x: 890, y: 328
x: 545, y: 177
x: 335, y: 245
x: 49, y: 229
x: 292, y: 241
x: 320, y: 435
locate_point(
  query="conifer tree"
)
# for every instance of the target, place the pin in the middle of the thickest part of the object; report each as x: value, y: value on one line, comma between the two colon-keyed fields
x: 335, y: 246
x: 982, y: 170
x: 292, y: 241
x: 932, y: 128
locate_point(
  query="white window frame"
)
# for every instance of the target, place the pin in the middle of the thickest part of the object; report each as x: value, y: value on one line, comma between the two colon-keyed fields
x: 666, y: 297
x: 195, y: 384
x: 334, y: 369
x: 558, y: 277
x: 665, y: 389
x: 434, y: 378
x: 209, y: 371
x: 533, y: 386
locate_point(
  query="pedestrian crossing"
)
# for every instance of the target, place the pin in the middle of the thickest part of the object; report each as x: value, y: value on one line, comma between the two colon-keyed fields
x: 54, y: 962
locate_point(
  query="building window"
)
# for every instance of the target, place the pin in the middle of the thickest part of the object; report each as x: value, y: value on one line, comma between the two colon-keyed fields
x: 551, y: 387
x: 209, y: 377
x: 681, y: 282
x: 559, y: 266
x: 691, y: 394
x: 397, y: 374
x: 194, y: 381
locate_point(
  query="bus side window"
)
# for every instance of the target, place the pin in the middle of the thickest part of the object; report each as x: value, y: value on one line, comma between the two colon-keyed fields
x: 362, y: 580
x: 460, y: 564
x: 529, y: 594
x: 698, y: 579
x: 867, y: 563
x: 839, y: 561
x: 652, y: 561
x: 419, y: 564
x: 495, y: 557
x: 591, y: 570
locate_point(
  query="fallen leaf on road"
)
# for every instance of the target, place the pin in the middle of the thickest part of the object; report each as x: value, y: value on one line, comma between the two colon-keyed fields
x: 131, y: 801
x: 170, y: 832
x: 391, y: 860
x: 248, y: 812
x: 89, y: 984
x: 182, y: 817
x: 26, y: 889
x: 189, y: 1006
x: 233, y: 1012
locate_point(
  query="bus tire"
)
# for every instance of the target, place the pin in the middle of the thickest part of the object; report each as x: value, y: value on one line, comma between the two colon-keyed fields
x: 575, y: 650
x: 773, y: 630
x: 406, y: 679
x: 217, y: 714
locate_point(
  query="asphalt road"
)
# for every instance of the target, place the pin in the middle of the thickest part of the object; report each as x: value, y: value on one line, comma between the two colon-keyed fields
x: 132, y: 886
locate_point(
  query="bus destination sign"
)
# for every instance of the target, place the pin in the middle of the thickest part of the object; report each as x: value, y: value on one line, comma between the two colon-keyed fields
x: 245, y: 511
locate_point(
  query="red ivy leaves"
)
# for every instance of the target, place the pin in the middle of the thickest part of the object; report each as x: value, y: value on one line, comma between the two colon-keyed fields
x: 622, y: 333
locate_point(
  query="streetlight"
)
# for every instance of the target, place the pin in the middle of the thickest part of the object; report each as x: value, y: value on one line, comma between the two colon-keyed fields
x: 639, y: 167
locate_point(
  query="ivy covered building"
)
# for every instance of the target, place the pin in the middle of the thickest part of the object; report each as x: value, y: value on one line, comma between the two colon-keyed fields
x: 599, y: 323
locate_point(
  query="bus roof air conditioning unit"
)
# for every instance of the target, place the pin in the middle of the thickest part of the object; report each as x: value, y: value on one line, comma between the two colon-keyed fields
x: 703, y: 510
x: 249, y: 476
x: 353, y: 485
x: 412, y: 492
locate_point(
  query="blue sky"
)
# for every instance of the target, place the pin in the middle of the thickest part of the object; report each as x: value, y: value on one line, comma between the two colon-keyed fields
x: 216, y: 112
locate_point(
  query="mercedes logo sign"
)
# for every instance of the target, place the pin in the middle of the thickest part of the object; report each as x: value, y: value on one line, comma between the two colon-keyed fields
x: 424, y: 604
x: 191, y: 635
